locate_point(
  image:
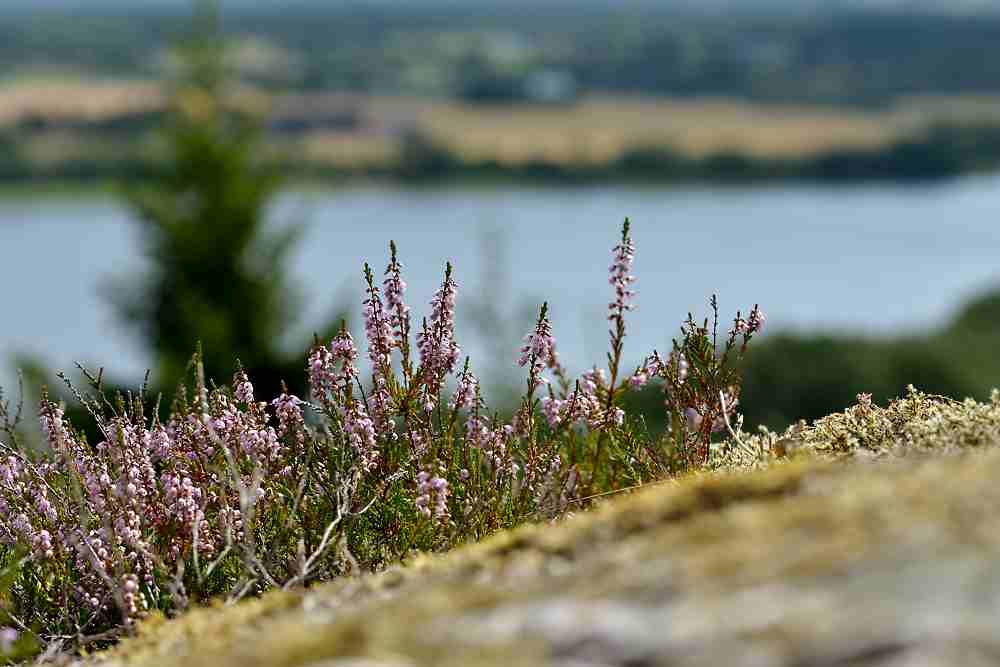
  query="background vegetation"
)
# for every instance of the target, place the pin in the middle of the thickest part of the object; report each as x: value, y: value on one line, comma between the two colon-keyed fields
x: 426, y: 92
x: 783, y: 53
x: 792, y: 376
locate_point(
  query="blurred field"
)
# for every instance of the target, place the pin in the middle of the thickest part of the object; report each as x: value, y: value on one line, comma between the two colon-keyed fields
x: 601, y: 129
x: 58, y: 119
x: 65, y: 99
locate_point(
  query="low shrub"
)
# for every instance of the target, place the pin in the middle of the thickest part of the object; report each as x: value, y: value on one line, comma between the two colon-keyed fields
x: 231, y: 495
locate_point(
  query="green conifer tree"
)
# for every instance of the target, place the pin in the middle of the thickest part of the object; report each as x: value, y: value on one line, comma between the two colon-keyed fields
x: 219, y: 273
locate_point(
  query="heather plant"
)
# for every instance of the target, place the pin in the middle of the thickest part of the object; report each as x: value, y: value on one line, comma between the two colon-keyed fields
x: 701, y: 380
x: 231, y: 495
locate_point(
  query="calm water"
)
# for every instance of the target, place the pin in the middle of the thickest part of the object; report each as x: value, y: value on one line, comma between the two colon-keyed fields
x: 875, y: 259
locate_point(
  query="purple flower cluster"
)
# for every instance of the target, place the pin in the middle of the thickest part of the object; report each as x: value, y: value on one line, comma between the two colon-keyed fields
x: 621, y: 277
x: 654, y: 366
x: 395, y: 290
x: 145, y: 516
x: 432, y: 495
x: 466, y: 392
x: 332, y: 370
x: 439, y: 352
x: 583, y: 406
x: 379, y: 333
x: 150, y: 495
x: 291, y: 423
x: 539, y: 351
x: 754, y: 323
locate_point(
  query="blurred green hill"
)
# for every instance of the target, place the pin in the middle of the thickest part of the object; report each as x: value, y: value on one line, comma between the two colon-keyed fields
x: 792, y: 376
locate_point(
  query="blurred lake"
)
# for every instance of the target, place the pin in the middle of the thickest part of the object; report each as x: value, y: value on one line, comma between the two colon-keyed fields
x: 875, y: 259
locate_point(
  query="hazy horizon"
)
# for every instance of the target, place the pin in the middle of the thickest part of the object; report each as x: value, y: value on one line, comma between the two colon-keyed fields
x: 950, y: 6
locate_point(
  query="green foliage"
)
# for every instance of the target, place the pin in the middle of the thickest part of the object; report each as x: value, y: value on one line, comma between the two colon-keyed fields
x: 792, y: 376
x: 803, y: 376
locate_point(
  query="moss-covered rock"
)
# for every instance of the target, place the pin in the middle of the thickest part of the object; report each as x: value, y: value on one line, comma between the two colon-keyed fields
x: 811, y: 560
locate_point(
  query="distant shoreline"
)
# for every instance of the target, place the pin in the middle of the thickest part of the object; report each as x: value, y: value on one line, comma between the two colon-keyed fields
x: 85, y: 133
x: 940, y: 153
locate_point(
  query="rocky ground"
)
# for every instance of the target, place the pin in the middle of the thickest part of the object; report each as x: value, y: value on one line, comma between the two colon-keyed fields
x: 869, y: 538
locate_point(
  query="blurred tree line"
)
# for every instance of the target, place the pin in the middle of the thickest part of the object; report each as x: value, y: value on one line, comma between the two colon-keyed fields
x: 792, y: 376
x: 862, y: 54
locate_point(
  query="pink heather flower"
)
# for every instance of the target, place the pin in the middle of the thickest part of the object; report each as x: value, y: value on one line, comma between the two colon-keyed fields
x: 756, y: 320
x: 751, y: 325
x: 360, y: 430
x: 343, y: 348
x: 652, y: 367
x: 581, y: 406
x: 466, y: 391
x: 436, y: 342
x: 288, y: 410
x: 378, y: 331
x: 395, y: 288
x: 41, y: 545
x: 259, y: 443
x: 621, y: 278
x: 592, y: 380
x: 477, y: 432
x: 321, y: 371
x: 381, y: 407
x: 380, y: 343
x: 432, y: 495
x: 8, y: 637
x: 57, y: 435
x: 158, y: 443
x: 539, y: 350
x: 244, y: 390
x: 325, y: 378
x: 133, y: 599
x: 552, y: 410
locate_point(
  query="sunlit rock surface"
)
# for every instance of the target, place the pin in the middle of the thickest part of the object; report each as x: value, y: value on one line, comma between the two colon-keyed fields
x: 872, y: 538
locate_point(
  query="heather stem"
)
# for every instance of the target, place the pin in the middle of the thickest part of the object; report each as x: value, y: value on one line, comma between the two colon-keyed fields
x: 620, y: 280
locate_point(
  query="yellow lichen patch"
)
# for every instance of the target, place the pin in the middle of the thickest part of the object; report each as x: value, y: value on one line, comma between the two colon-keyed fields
x: 915, y: 424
